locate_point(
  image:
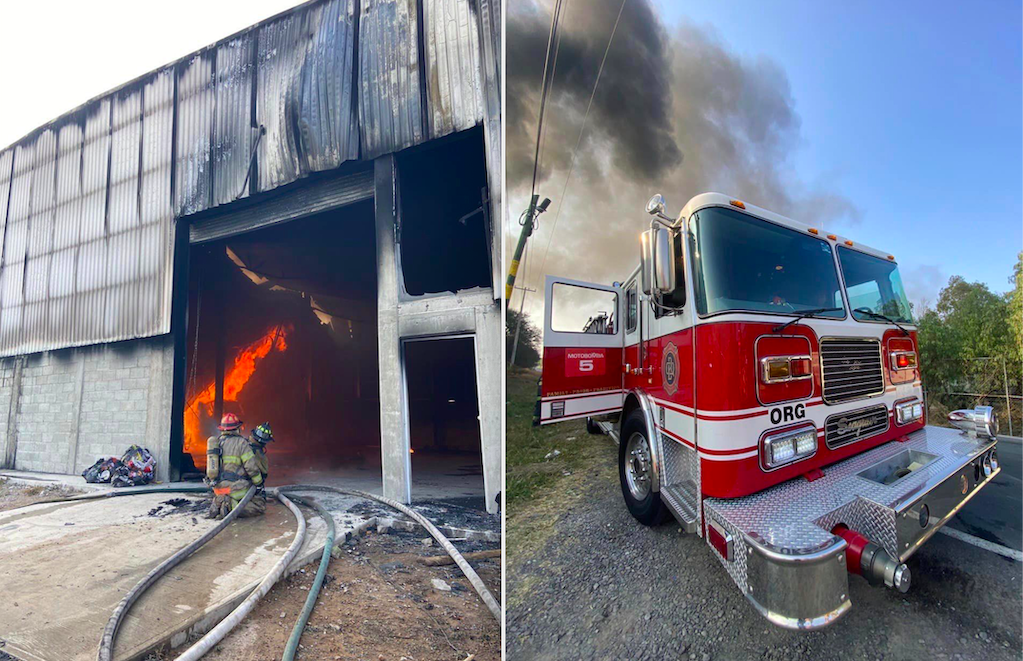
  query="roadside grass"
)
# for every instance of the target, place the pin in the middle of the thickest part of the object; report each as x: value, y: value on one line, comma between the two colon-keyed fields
x: 539, y: 491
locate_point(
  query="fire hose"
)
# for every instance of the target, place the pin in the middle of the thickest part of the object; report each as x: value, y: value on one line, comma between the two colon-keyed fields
x: 470, y: 573
x: 226, y: 625
x: 328, y: 546
x: 106, y: 645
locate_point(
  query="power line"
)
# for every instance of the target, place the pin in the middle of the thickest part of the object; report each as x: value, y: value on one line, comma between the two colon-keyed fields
x: 550, y: 90
x: 579, y: 140
x: 544, y: 85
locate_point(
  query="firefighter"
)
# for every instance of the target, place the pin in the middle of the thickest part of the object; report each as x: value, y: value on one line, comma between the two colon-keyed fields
x: 262, y: 435
x: 239, y: 469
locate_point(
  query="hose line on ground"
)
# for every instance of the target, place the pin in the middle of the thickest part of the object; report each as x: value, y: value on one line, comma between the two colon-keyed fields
x: 106, y: 645
x: 470, y: 573
x: 226, y: 625
x: 217, y: 633
x: 310, y: 602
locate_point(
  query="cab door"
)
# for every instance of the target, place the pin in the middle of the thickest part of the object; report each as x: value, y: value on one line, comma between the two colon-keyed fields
x: 582, y: 350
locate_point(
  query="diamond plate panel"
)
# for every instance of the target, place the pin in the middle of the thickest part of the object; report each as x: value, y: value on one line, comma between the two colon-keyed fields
x: 796, y: 517
x: 740, y: 550
x: 693, y: 459
x: 682, y: 475
x: 675, y: 468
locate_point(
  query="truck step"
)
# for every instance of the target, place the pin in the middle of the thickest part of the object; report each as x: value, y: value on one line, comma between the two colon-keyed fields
x: 609, y: 429
x: 680, y: 500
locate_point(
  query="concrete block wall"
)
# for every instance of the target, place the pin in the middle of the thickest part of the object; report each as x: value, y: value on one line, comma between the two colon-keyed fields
x: 70, y: 407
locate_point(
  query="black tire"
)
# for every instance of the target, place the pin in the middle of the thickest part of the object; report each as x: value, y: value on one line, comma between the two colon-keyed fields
x: 592, y: 428
x: 649, y: 510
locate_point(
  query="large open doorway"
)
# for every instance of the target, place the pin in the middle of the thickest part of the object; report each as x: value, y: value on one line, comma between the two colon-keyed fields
x: 283, y: 328
x: 444, y: 429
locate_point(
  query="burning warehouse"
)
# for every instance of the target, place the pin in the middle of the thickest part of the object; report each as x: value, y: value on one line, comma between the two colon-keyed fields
x: 293, y: 224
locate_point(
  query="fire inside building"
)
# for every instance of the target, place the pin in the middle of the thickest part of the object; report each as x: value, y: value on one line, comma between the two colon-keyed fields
x: 295, y: 224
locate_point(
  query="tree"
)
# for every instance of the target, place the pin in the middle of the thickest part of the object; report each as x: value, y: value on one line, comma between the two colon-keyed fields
x: 968, y: 322
x: 1016, y: 310
x: 528, y: 354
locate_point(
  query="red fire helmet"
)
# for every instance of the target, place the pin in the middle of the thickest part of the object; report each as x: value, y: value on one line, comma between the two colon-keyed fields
x: 229, y: 422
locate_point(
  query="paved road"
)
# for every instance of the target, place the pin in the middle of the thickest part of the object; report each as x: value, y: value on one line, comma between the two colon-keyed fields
x: 608, y: 588
x: 996, y: 513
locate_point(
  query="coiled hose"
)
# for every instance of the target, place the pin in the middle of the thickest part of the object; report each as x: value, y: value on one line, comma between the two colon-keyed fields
x: 328, y: 546
x: 224, y: 627
x: 106, y: 645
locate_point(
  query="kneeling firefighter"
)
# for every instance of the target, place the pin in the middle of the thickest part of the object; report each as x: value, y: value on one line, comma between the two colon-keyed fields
x: 231, y: 467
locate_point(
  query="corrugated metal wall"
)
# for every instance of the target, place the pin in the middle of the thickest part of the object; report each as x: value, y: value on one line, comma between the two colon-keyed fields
x: 88, y: 203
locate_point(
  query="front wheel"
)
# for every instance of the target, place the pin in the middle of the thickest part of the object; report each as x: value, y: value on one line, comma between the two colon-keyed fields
x: 635, y: 470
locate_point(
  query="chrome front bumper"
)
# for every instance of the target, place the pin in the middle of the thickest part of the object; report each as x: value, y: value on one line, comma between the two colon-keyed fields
x: 785, y: 558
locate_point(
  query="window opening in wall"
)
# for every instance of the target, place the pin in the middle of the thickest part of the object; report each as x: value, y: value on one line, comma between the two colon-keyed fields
x: 444, y: 215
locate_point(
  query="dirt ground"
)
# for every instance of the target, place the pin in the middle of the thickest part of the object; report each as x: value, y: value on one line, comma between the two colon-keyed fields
x: 378, y: 603
x: 15, y: 494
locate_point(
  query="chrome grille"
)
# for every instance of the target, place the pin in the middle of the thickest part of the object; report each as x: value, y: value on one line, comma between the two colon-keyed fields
x: 851, y: 368
x: 844, y: 428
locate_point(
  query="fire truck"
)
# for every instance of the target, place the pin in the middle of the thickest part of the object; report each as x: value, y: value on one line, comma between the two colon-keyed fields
x: 762, y: 380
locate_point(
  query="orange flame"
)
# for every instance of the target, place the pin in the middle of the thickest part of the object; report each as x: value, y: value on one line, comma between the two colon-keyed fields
x: 234, y: 381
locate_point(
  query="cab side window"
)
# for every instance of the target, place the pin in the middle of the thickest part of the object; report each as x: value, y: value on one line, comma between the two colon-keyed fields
x: 632, y: 308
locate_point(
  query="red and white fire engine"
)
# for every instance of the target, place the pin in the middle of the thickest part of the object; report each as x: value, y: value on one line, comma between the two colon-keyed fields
x: 762, y: 380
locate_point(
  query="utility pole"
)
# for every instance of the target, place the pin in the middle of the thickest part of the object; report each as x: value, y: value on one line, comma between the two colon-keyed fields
x: 528, y: 225
x: 1008, y: 402
x: 527, y: 231
x: 518, y: 322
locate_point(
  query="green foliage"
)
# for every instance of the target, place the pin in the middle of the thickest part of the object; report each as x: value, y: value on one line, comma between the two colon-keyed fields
x: 970, y: 322
x: 1016, y: 309
x: 528, y: 473
x: 530, y: 339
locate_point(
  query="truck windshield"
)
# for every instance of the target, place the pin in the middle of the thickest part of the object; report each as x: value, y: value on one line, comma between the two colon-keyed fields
x: 874, y: 284
x: 742, y: 263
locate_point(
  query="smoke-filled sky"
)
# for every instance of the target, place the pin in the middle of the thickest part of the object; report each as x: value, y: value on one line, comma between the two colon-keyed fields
x: 859, y: 120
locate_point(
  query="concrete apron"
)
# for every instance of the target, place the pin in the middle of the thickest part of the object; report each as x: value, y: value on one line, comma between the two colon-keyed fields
x: 65, y: 566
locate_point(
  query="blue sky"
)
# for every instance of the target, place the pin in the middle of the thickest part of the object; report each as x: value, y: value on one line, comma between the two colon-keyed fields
x: 912, y: 110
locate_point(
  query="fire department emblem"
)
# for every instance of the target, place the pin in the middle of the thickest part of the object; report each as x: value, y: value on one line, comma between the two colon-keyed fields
x: 669, y: 368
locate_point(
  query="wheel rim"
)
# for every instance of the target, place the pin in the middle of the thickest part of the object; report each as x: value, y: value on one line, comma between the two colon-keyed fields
x: 637, y: 466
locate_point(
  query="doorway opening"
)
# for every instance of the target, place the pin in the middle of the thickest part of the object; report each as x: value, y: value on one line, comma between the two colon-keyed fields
x: 443, y: 412
x: 283, y: 329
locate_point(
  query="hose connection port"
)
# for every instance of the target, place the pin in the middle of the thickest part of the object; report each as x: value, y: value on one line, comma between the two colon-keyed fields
x: 872, y: 562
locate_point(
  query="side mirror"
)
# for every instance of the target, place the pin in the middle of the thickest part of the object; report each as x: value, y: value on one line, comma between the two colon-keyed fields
x: 646, y: 265
x: 981, y: 421
x: 664, y: 261
x: 657, y: 270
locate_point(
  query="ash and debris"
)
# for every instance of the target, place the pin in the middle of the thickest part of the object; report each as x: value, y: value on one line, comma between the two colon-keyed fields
x: 403, y: 542
x: 450, y: 513
x: 180, y: 506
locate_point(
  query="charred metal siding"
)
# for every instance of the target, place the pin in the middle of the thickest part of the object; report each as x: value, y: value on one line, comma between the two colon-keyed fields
x: 89, y: 202
x: 454, y: 90
x: 390, y: 106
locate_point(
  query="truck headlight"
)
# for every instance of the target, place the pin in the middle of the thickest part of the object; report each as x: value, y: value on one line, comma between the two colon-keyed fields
x: 909, y: 411
x: 785, y: 447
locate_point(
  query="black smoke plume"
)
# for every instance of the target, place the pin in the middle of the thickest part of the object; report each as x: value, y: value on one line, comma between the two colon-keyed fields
x: 675, y: 113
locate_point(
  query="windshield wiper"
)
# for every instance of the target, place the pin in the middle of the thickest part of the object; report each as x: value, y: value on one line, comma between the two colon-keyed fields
x: 803, y: 314
x: 876, y: 315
